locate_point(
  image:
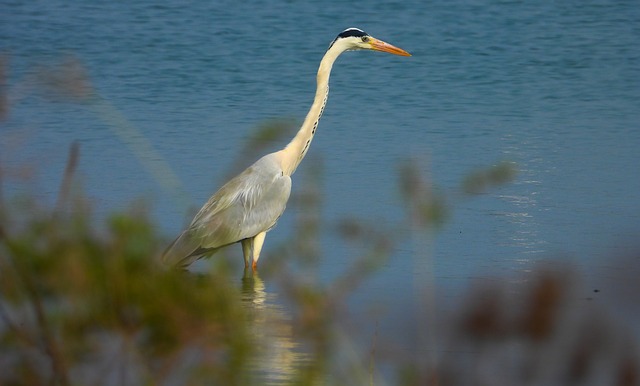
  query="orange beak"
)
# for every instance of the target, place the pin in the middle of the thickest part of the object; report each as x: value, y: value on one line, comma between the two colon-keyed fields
x: 379, y: 45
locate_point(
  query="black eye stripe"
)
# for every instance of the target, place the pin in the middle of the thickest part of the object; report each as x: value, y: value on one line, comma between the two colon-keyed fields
x: 352, y: 32
x: 355, y: 32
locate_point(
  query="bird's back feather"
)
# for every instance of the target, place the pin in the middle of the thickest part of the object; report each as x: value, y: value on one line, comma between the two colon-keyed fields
x: 246, y: 205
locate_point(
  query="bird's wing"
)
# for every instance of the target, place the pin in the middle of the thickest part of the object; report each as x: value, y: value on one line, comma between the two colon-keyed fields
x: 248, y: 204
x: 183, y: 251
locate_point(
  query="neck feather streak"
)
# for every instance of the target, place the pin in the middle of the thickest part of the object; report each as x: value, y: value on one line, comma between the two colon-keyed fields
x: 294, y: 152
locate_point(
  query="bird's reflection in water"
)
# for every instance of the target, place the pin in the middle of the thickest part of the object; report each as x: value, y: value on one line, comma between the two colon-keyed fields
x: 278, y: 354
x: 253, y: 290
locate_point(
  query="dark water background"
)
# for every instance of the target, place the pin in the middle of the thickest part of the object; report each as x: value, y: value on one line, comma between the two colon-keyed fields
x: 553, y: 87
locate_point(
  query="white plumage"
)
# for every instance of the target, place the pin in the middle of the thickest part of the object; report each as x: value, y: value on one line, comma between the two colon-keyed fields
x: 249, y: 205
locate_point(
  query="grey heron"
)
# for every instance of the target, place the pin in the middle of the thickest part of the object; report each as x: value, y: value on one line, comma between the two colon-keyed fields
x: 248, y: 205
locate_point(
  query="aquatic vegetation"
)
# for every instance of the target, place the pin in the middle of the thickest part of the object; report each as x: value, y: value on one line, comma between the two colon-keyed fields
x: 85, y: 302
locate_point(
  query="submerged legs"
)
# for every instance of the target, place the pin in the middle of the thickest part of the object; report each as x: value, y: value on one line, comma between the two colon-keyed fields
x: 251, y: 248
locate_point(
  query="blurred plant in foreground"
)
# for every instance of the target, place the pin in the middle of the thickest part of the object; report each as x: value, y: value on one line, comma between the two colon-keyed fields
x: 542, y: 331
x: 85, y: 303
x: 81, y: 306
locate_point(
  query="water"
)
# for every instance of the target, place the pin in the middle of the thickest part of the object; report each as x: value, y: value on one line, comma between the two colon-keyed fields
x: 553, y: 87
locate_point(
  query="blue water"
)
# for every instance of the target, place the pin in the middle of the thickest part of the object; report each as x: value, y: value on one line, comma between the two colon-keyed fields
x: 553, y: 87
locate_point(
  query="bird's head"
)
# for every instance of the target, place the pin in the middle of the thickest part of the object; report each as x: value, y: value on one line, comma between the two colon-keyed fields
x: 357, y: 39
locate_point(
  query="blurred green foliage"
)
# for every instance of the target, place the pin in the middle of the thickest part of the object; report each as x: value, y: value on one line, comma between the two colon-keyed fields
x: 481, y: 180
x: 83, y: 303
x: 70, y: 292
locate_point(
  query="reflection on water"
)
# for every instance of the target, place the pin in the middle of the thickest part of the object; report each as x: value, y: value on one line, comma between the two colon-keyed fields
x: 278, y: 354
x: 524, y: 230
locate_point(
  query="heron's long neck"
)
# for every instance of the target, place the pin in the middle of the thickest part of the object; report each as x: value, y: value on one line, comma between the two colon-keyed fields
x: 295, y: 151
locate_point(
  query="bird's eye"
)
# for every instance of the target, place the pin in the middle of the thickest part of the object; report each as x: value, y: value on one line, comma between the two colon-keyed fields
x: 365, y: 39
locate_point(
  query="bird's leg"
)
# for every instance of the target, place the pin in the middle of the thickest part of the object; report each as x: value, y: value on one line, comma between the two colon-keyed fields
x: 258, y: 241
x: 247, y: 245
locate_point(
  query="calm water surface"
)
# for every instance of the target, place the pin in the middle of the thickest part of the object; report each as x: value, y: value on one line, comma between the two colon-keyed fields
x: 553, y: 87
